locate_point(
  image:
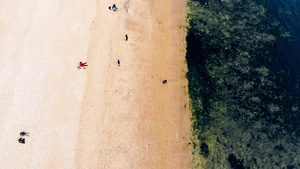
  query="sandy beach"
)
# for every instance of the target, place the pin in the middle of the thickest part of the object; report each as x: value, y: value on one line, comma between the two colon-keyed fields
x: 107, y: 116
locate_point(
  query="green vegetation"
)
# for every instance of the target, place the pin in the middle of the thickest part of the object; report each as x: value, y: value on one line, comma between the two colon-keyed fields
x: 243, y: 116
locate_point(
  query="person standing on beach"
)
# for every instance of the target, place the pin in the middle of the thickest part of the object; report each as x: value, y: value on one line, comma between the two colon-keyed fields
x: 23, y: 133
x: 114, y: 7
x: 126, y: 37
x: 119, y: 63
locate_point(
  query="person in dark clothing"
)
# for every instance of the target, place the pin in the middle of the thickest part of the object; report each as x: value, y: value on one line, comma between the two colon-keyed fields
x: 22, y: 140
x: 119, y: 63
x: 114, y: 7
x: 165, y: 82
x: 82, y: 64
x: 126, y: 37
x: 23, y: 133
x: 109, y: 7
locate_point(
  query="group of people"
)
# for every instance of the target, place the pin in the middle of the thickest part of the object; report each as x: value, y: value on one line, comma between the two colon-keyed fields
x: 22, y: 140
x: 84, y: 65
x: 114, y: 8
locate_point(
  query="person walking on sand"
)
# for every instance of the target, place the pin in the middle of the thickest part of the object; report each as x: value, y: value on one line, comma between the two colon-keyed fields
x: 23, y: 133
x: 126, y: 37
x: 119, y: 63
x: 83, y: 64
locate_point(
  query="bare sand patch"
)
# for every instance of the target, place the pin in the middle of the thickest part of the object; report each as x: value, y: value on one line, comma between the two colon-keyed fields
x: 144, y: 123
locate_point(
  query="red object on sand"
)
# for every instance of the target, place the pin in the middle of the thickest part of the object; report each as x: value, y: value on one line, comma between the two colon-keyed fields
x: 80, y: 64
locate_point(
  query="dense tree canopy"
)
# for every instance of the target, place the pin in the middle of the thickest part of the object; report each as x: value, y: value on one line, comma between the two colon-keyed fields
x: 243, y: 115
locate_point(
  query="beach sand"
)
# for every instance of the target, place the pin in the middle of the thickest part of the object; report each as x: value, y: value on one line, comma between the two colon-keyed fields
x: 107, y: 116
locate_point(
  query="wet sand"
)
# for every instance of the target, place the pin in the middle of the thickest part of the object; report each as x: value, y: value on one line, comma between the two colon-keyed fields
x: 107, y: 116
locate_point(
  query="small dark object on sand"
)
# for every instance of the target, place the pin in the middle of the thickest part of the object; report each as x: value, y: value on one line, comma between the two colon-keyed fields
x: 165, y: 82
x: 126, y: 37
x: 119, y: 63
x: 109, y: 7
x: 22, y: 140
